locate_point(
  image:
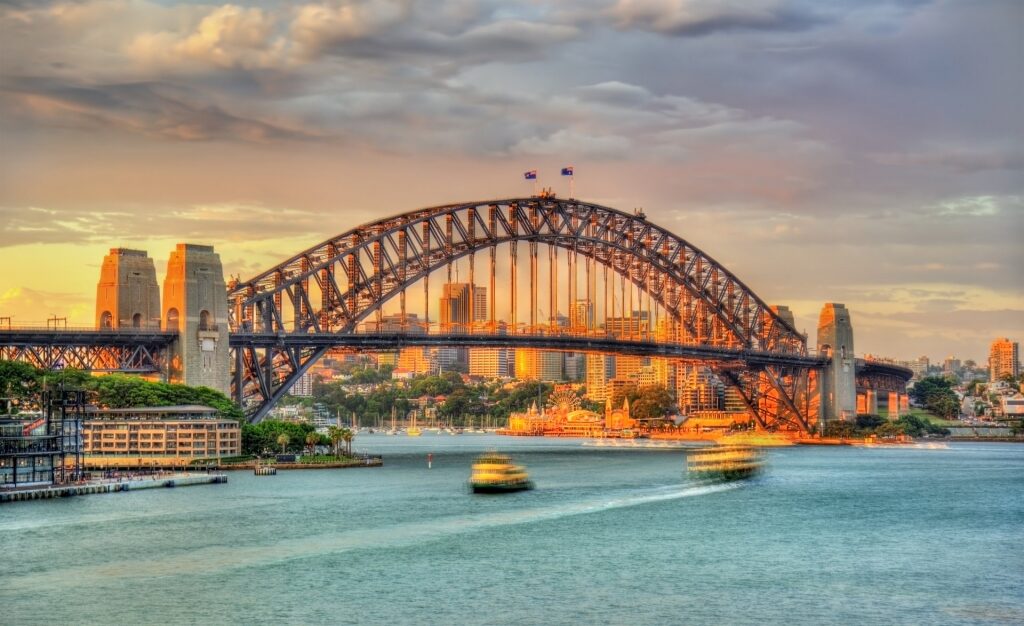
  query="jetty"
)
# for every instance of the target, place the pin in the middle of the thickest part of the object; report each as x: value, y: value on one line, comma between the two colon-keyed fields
x: 111, y: 486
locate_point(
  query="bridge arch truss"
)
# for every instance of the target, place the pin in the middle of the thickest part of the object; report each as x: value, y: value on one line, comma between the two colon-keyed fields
x: 286, y: 318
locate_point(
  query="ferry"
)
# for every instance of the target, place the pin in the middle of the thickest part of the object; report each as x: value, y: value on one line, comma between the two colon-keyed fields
x: 724, y: 462
x: 495, y: 473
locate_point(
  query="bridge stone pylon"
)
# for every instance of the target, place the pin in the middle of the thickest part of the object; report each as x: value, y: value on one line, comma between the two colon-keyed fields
x: 839, y: 384
x: 196, y: 306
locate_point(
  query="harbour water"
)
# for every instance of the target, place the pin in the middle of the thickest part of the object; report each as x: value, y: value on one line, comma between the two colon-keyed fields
x: 609, y: 536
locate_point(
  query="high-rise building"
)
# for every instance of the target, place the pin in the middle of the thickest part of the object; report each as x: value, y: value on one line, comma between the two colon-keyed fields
x: 527, y: 363
x: 1003, y: 359
x: 600, y: 369
x: 303, y: 386
x: 461, y: 305
x: 581, y: 316
x: 951, y: 365
x: 417, y: 360
x: 490, y: 362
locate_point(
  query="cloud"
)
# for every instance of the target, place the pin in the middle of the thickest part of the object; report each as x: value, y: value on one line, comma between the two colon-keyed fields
x: 206, y: 222
x: 25, y: 305
x: 153, y: 109
x: 230, y: 36
x: 702, y: 17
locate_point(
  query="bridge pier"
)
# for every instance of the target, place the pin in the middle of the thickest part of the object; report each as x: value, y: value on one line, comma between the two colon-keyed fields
x: 839, y: 382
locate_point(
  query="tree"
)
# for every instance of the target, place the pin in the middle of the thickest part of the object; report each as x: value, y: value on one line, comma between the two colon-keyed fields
x: 283, y: 440
x: 336, y: 436
x: 347, y: 436
x: 312, y: 439
x: 651, y: 403
x: 936, y: 394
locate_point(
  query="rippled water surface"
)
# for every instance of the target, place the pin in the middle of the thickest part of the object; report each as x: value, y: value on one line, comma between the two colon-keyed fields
x: 610, y: 536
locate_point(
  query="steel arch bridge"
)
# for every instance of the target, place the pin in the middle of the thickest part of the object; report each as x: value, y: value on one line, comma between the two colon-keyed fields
x: 283, y: 320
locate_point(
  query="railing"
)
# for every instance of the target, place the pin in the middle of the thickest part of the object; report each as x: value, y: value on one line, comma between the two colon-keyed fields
x: 38, y: 326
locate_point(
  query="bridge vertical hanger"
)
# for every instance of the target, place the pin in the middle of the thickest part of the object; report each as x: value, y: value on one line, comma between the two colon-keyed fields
x: 492, y: 224
x: 426, y: 277
x: 471, y: 228
x: 533, y: 267
x: 513, y: 222
x: 327, y: 288
x: 301, y: 309
x: 402, y: 275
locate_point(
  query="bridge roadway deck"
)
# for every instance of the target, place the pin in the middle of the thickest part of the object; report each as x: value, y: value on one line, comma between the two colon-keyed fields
x: 391, y: 341
x: 86, y: 337
x: 568, y: 343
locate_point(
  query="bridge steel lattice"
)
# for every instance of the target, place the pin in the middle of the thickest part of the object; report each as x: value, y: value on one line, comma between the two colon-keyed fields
x: 122, y: 350
x: 286, y: 318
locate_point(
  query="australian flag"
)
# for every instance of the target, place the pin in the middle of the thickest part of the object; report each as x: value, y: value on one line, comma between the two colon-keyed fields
x: 567, y: 171
x: 531, y: 175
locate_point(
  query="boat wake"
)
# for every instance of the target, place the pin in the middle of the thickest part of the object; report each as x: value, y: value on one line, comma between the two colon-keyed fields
x: 218, y: 558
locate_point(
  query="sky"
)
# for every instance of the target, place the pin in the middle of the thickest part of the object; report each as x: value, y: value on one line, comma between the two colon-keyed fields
x: 868, y: 152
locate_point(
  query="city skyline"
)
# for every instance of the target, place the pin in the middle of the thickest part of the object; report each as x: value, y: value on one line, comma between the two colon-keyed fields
x: 865, y: 154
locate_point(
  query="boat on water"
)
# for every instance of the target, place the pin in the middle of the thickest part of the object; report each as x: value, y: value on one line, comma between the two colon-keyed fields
x: 495, y: 473
x: 756, y: 439
x: 724, y: 462
x: 413, y: 431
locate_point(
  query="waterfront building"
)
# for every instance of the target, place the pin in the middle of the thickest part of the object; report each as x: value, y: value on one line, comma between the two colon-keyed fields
x: 168, y: 435
x: 1003, y: 359
x: 563, y: 417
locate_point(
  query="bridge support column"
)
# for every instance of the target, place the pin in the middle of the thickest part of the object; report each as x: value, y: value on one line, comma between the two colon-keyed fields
x: 196, y: 305
x: 899, y: 404
x: 839, y: 384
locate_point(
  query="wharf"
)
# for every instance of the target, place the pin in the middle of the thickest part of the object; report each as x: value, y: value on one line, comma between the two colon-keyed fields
x: 111, y: 486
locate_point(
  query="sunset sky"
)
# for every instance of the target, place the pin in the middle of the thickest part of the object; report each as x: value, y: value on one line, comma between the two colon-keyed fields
x: 857, y: 151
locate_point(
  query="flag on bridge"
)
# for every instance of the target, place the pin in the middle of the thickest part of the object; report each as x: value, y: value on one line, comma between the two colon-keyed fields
x: 531, y: 175
x: 567, y: 171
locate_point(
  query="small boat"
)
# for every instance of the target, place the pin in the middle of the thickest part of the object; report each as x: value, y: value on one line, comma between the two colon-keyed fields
x: 494, y: 473
x: 413, y: 431
x: 719, y: 462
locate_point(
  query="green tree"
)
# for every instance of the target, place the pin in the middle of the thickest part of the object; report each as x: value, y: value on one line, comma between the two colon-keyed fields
x: 652, y: 402
x: 283, y: 440
x: 312, y: 440
x: 347, y: 436
x: 336, y: 436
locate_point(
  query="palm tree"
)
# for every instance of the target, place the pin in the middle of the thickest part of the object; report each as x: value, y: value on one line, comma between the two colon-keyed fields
x: 347, y: 436
x: 283, y: 440
x: 336, y: 435
x: 311, y: 440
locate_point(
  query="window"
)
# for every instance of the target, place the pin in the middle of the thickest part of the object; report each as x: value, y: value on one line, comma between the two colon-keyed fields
x: 172, y: 319
x: 106, y: 320
x: 137, y: 320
